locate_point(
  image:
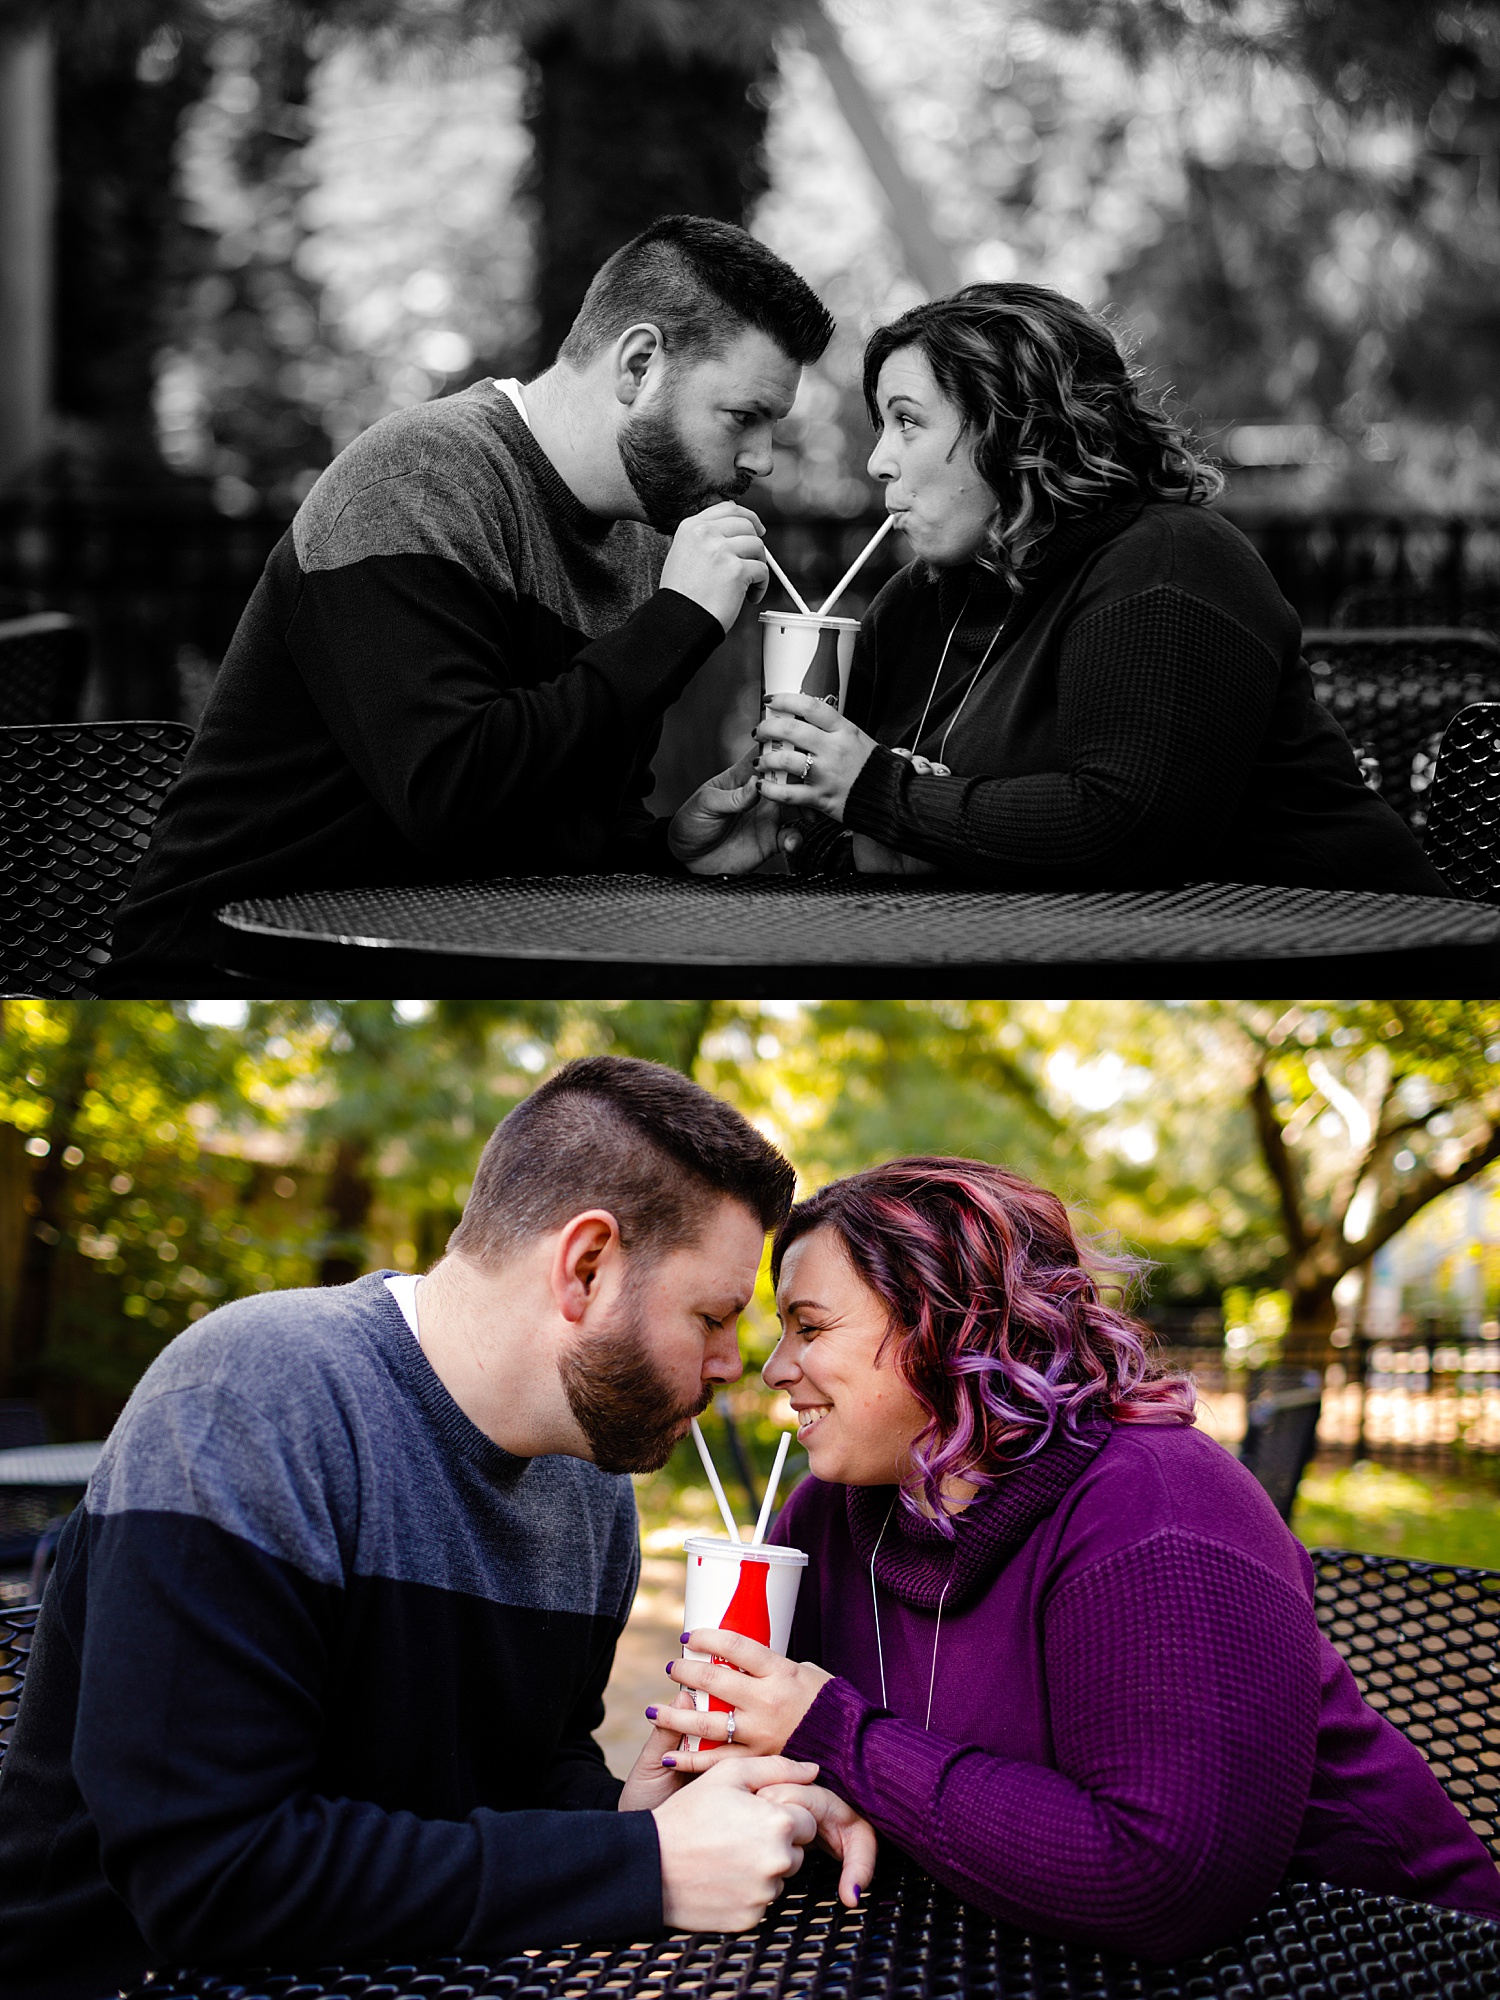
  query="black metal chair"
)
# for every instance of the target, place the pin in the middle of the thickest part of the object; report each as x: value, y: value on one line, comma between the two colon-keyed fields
x: 44, y: 661
x: 77, y: 803
x: 1281, y: 1435
x: 1463, y: 822
x: 1384, y: 605
x: 1423, y: 1642
x: 1394, y: 692
x: 21, y: 1423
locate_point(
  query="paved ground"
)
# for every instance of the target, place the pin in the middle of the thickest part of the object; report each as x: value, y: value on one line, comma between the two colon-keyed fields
x: 646, y: 1645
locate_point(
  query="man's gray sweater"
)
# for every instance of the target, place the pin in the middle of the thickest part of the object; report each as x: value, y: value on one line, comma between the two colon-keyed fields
x: 317, y: 1674
x: 449, y: 669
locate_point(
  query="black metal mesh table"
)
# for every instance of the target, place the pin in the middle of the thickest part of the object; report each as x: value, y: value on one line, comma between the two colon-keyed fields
x: 580, y: 934
x: 916, y: 1942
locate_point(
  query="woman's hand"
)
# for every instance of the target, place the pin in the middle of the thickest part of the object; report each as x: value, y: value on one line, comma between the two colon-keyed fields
x: 841, y: 1832
x: 769, y: 1695
x: 818, y: 753
x: 727, y: 827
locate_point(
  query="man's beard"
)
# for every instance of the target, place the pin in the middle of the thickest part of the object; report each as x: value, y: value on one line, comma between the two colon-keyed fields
x: 669, y: 482
x: 623, y: 1405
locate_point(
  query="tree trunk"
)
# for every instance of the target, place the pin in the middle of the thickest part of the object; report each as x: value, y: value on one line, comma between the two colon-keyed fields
x: 619, y: 143
x: 1309, y: 1327
x: 120, y: 242
x: 46, y: 1209
x: 25, y: 247
x: 351, y: 1195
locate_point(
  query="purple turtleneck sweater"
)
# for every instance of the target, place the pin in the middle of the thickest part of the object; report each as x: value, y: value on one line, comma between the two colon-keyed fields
x: 1137, y: 1727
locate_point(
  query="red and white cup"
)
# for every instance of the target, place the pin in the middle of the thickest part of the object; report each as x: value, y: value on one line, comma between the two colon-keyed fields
x: 804, y: 654
x: 744, y: 1587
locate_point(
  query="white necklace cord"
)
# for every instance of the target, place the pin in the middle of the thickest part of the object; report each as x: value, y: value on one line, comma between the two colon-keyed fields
x: 974, y: 682
x: 875, y: 1608
x: 942, y: 662
x: 874, y: 1602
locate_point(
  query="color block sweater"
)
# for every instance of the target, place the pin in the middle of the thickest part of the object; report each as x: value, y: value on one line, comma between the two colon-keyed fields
x: 1137, y: 1728
x: 317, y: 1674
x: 1140, y: 716
x: 450, y: 668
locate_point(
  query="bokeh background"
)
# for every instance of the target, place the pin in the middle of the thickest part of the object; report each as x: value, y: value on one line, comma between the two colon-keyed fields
x: 1312, y: 1185
x: 233, y: 233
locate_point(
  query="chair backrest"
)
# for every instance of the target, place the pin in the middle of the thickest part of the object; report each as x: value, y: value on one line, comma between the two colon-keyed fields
x: 16, y: 1628
x: 1384, y: 605
x: 21, y: 1423
x: 1281, y: 1434
x: 1395, y: 692
x: 1423, y: 1643
x: 77, y: 803
x: 44, y: 661
x: 1463, y: 820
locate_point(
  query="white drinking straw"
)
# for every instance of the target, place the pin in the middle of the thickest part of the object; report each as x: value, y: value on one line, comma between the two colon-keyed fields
x: 713, y: 1480
x: 789, y: 587
x: 856, y: 566
x: 770, y: 1500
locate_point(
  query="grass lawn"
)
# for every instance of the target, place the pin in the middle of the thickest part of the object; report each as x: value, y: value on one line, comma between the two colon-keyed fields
x: 1372, y: 1506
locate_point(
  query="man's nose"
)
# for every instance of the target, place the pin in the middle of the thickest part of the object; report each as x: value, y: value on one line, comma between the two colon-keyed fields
x: 756, y: 455
x: 722, y: 1363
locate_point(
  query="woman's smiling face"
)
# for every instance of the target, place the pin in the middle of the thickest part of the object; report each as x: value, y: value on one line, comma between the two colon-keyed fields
x: 855, y: 1415
x: 925, y: 460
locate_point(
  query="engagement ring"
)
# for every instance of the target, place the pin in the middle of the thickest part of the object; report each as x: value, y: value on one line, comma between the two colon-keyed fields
x: 807, y: 764
x: 729, y: 1733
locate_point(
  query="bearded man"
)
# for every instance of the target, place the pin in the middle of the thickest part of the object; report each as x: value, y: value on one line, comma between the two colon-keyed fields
x: 457, y: 660
x: 316, y: 1676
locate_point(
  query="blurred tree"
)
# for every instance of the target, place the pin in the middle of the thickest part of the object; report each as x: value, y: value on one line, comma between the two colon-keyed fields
x: 1411, y: 1092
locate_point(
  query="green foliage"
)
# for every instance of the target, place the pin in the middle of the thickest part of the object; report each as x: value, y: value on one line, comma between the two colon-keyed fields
x: 1388, y: 1512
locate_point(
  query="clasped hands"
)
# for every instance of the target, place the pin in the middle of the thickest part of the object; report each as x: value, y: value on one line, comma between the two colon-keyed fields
x: 806, y: 755
x: 769, y: 1696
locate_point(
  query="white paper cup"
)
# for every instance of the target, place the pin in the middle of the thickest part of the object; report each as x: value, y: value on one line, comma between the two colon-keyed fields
x: 739, y: 1588
x: 806, y: 655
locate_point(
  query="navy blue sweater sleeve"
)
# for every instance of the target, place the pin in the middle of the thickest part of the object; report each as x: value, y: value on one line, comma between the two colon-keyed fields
x: 210, y: 1664
x: 204, y: 1673
x: 422, y: 677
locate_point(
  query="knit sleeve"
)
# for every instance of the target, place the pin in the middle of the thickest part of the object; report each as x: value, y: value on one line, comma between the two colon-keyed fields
x: 1162, y: 702
x: 1182, y: 1682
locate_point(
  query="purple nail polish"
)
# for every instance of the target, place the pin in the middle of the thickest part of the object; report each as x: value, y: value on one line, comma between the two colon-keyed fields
x: 858, y: 1891
x: 669, y: 1666
x: 685, y: 1637
x: 670, y: 1762
x: 651, y: 1714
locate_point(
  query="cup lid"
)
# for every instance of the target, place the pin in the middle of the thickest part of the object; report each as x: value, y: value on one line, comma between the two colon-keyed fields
x: 767, y: 1552
x: 828, y: 624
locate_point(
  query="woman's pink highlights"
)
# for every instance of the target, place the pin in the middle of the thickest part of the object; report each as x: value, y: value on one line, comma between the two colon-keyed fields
x: 1000, y: 1323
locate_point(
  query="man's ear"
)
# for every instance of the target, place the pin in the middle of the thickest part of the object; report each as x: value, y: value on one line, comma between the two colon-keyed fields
x: 584, y: 1245
x: 635, y: 352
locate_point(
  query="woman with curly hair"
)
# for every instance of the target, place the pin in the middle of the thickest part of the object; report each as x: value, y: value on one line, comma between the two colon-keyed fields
x: 1086, y: 679
x: 1067, y: 1653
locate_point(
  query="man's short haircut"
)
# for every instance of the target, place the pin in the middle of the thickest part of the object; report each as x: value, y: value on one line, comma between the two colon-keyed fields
x: 640, y: 1140
x: 702, y: 283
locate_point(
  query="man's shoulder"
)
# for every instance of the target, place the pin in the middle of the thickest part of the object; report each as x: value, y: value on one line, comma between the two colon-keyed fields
x: 250, y: 1421
x: 437, y: 479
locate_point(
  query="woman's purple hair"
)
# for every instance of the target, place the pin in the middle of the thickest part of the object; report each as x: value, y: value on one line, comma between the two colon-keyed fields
x: 1000, y: 1325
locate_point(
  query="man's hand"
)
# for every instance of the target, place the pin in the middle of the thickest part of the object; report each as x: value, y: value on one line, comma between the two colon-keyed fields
x: 726, y: 827
x: 725, y: 1849
x: 848, y: 1837
x: 717, y: 560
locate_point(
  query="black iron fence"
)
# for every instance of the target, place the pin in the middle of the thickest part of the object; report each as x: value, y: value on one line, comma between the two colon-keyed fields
x: 162, y: 579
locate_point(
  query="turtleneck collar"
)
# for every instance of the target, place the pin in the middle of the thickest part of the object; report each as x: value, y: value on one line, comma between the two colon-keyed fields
x: 979, y: 596
x: 916, y: 1561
